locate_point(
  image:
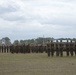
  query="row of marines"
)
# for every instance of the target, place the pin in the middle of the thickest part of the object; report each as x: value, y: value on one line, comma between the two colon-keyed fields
x: 60, y: 47
x: 50, y: 48
x: 29, y: 48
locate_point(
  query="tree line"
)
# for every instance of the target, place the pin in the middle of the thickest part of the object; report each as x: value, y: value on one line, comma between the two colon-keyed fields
x: 39, y: 40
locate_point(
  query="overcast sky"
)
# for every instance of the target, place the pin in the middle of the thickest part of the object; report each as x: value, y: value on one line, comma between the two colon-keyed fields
x: 26, y: 19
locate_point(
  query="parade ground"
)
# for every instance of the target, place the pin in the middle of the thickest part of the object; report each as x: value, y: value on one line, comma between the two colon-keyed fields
x: 36, y: 64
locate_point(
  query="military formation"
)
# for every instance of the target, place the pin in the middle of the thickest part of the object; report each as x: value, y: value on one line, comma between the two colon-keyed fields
x: 29, y: 48
x: 58, y: 48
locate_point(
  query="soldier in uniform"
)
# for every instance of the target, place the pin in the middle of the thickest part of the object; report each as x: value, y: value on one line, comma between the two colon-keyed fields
x: 32, y: 48
x: 16, y: 48
x: 67, y: 48
x: 61, y: 48
x: 0, y: 49
x: 12, y: 48
x: 23, y: 48
x: 4, y: 49
x: 75, y: 48
x: 48, y: 48
x: 41, y: 48
x: 71, y: 48
x: 28, y: 48
x: 45, y: 50
x: 7, y: 48
x: 52, y: 48
x: 37, y: 48
x: 57, y: 48
x: 20, y: 48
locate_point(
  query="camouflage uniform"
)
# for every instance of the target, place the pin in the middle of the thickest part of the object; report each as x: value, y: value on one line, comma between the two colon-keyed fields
x: 41, y: 48
x: 67, y: 48
x: 12, y: 49
x: 48, y: 49
x: 52, y: 48
x: 71, y: 48
x: 4, y: 49
x: 7, y: 48
x: 61, y: 48
x: 57, y: 48
x: 28, y: 48
x: 75, y: 48
x: 0, y: 49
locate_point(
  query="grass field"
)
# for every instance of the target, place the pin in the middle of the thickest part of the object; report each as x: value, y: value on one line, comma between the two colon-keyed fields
x: 36, y: 64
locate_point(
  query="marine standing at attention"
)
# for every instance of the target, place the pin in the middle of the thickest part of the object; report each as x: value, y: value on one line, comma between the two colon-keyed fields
x: 48, y: 48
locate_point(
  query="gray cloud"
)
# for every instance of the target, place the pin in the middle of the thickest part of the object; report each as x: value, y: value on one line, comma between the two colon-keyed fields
x: 8, y: 8
x: 13, y: 18
x: 23, y: 19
